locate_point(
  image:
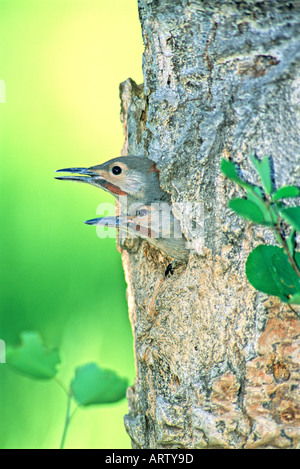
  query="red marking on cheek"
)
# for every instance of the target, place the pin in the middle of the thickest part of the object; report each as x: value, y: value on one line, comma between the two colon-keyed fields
x: 147, y: 232
x: 153, y: 168
x: 114, y: 189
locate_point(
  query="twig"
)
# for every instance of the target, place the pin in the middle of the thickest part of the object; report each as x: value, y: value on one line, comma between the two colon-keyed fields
x: 67, y: 422
x: 285, y: 247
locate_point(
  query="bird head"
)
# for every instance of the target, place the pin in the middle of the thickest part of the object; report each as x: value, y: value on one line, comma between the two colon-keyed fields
x: 132, y: 176
x: 135, y: 225
x: 156, y: 224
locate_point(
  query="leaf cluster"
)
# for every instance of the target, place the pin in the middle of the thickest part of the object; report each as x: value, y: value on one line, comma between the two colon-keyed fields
x: 271, y: 269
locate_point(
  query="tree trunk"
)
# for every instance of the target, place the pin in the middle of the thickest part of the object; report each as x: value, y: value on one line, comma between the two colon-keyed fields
x: 217, y: 363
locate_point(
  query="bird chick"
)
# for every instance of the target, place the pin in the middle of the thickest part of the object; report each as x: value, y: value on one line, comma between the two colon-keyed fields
x: 154, y: 223
x: 134, y: 181
x: 135, y: 177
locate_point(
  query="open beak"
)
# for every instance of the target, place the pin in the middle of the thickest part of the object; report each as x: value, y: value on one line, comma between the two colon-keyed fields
x: 84, y: 175
x: 125, y: 223
x: 114, y: 222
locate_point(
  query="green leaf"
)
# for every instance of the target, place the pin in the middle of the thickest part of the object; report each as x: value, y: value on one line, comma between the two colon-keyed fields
x: 265, y: 175
x: 255, y: 161
x: 260, y: 271
x: 285, y: 192
x: 255, y: 196
x: 295, y: 300
x: 288, y: 278
x: 292, y: 215
x: 94, y: 385
x: 32, y: 358
x: 297, y: 258
x: 247, y: 209
x: 263, y: 168
x: 229, y: 169
x: 291, y: 242
x: 268, y: 270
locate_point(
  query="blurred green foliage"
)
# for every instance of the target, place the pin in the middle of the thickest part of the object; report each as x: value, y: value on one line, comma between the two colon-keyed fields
x: 62, y: 62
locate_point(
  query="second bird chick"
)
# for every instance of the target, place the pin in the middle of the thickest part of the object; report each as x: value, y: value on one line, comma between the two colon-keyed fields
x: 154, y: 223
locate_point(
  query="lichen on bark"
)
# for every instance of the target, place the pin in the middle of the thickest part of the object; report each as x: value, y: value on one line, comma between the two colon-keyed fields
x: 217, y: 362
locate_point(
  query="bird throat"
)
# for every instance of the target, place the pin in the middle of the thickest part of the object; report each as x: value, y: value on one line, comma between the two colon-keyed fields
x: 114, y: 189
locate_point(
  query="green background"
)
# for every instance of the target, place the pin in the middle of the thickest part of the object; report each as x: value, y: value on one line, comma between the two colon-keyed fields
x: 62, y: 62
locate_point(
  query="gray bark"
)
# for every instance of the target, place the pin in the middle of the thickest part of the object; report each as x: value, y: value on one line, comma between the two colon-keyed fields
x: 217, y: 363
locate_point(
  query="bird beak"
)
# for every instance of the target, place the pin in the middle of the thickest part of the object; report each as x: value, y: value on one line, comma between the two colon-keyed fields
x: 125, y: 223
x: 114, y: 222
x: 84, y: 175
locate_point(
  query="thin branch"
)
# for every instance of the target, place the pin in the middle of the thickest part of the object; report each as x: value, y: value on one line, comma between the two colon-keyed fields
x: 67, y: 422
x: 285, y: 247
x: 61, y: 385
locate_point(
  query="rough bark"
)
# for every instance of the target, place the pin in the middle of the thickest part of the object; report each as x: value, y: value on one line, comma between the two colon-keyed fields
x: 217, y: 362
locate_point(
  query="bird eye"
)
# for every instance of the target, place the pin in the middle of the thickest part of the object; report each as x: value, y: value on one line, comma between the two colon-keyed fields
x: 116, y: 170
x: 142, y: 213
